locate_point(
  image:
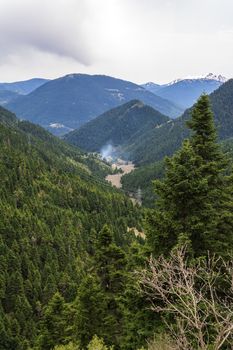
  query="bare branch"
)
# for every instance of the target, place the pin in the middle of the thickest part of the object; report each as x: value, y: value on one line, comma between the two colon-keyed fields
x: 199, y: 297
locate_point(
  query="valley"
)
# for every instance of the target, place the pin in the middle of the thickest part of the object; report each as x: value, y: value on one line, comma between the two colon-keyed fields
x: 81, y: 213
x: 126, y: 168
x: 116, y: 175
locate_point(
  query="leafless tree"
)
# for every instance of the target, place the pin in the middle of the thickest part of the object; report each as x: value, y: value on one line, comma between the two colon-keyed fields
x: 196, y: 299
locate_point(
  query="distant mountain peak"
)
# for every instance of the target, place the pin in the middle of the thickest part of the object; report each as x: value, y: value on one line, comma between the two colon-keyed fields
x: 184, y: 92
x: 219, y: 77
x: 150, y: 83
x: 210, y: 76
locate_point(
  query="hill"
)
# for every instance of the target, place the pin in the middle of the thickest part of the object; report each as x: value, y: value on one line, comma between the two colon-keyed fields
x: 165, y: 140
x: 23, y: 87
x: 52, y: 208
x: 57, y: 151
x: 185, y: 92
x: 68, y: 102
x: 142, y: 177
x: 116, y: 127
x: 6, y: 96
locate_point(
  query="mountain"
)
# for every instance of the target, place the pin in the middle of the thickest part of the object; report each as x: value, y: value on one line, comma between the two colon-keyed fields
x: 68, y: 102
x: 52, y: 210
x: 116, y: 127
x: 152, y: 87
x: 184, y: 92
x: 23, y: 87
x: 51, y: 147
x: 6, y: 96
x: 167, y: 138
x: 141, y: 179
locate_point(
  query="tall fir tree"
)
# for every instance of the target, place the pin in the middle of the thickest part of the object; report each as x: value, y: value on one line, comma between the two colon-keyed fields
x: 194, y: 205
x: 57, y: 323
x: 99, y: 304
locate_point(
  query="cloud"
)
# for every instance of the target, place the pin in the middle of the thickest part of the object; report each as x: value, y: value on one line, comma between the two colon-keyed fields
x: 56, y: 27
x: 137, y: 40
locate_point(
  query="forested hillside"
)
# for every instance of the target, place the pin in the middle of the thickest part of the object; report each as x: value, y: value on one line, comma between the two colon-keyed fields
x: 58, y: 221
x: 164, y: 141
x: 142, y: 177
x: 116, y: 127
x: 70, y: 101
x: 74, y: 252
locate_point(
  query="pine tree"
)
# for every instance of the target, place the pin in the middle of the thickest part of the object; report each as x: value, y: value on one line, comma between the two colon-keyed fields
x: 90, y: 309
x: 110, y: 262
x: 99, y: 306
x: 194, y: 205
x: 56, y: 323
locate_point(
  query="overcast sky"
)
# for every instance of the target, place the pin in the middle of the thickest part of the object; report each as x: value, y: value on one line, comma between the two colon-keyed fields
x: 137, y: 40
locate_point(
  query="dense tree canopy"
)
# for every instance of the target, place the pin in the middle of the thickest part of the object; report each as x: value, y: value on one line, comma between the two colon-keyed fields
x: 195, y: 197
x: 52, y: 203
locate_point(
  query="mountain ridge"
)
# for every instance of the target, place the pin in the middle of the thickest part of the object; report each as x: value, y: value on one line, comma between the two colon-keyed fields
x: 186, y: 91
x: 23, y: 87
x: 75, y: 99
x: 116, y: 126
x: 158, y: 143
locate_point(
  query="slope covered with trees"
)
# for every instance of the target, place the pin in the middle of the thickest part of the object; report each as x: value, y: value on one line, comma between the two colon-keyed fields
x: 189, y: 232
x: 194, y: 204
x: 54, y: 212
x: 116, y: 127
x: 70, y: 101
x: 164, y: 141
x: 142, y: 177
x: 69, y: 252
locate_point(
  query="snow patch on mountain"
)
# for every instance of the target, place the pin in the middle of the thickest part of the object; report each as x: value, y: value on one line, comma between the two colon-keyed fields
x: 209, y: 76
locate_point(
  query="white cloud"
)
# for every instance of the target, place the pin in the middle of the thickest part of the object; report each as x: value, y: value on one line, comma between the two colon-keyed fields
x: 138, y: 40
x: 56, y: 27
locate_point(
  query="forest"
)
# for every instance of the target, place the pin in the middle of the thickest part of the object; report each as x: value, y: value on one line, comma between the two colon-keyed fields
x: 75, y: 276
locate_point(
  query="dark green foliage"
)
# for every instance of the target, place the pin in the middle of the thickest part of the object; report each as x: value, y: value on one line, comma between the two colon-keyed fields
x: 100, y: 294
x: 109, y: 302
x: 141, y: 180
x: 56, y: 323
x: 51, y: 205
x: 7, y: 117
x: 67, y: 256
x: 143, y: 176
x: 117, y: 126
x: 140, y: 322
x: 165, y: 140
x: 195, y: 198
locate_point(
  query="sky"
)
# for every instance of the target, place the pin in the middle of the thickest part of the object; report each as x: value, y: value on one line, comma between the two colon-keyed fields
x: 136, y: 40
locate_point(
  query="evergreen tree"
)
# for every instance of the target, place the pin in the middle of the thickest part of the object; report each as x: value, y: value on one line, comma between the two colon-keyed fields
x: 194, y: 203
x: 90, y: 307
x: 99, y: 304
x: 56, y: 323
x: 140, y: 322
x: 110, y: 262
